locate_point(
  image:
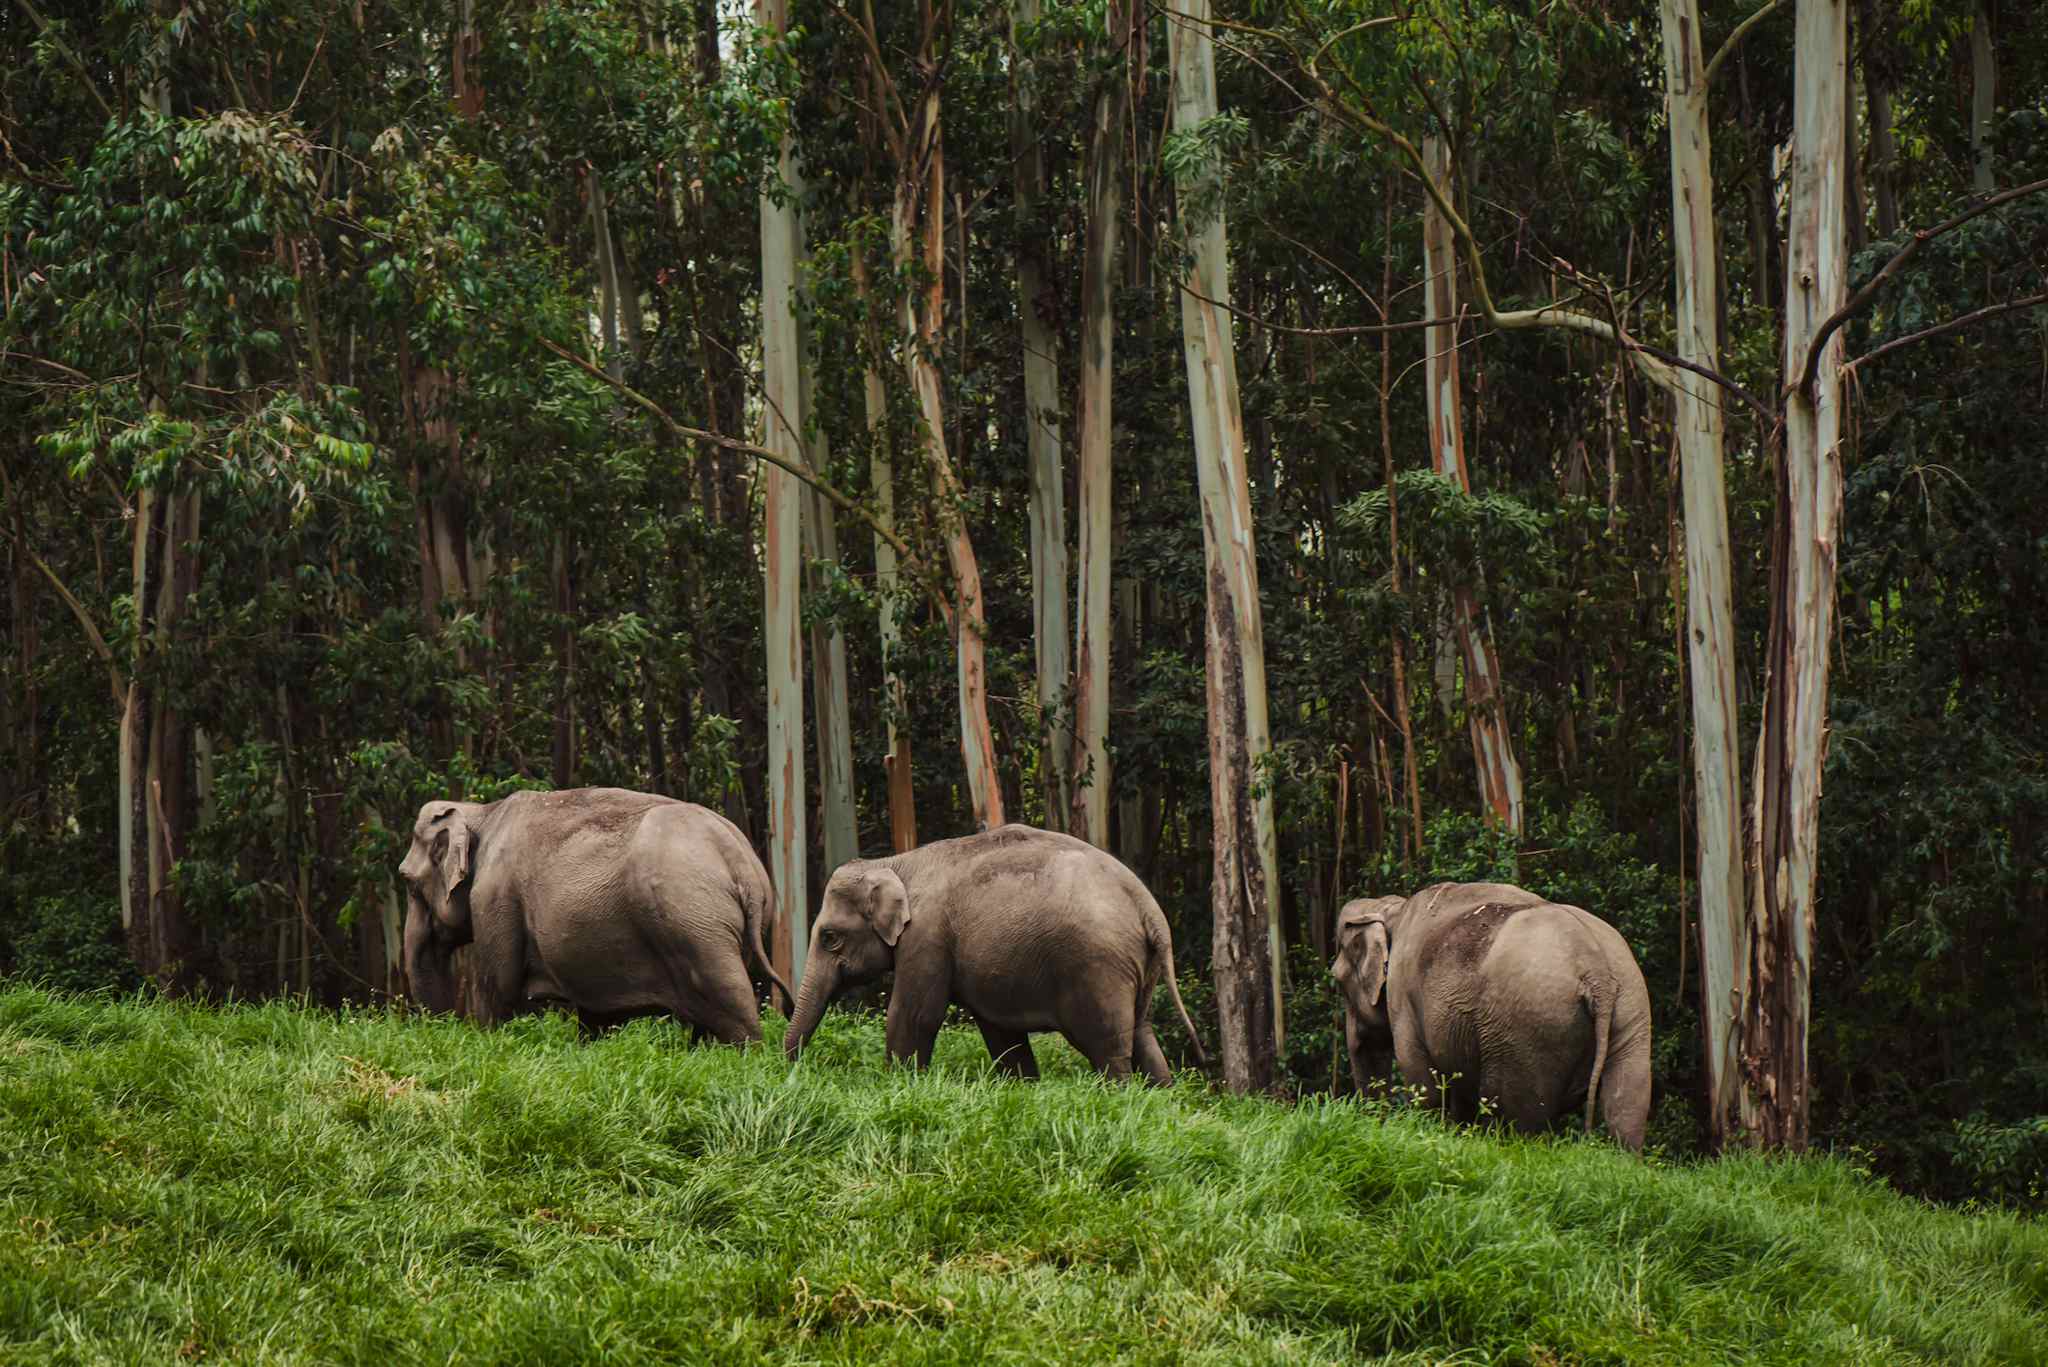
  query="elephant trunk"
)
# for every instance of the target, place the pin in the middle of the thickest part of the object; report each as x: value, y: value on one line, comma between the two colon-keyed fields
x: 820, y: 980
x: 428, y: 980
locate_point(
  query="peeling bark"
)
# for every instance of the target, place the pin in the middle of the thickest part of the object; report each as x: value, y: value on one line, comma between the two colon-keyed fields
x: 1792, y: 749
x: 1710, y: 628
x: 1092, y: 788
x: 1500, y: 774
x: 782, y: 538
x: 1038, y: 310
x: 1243, y: 850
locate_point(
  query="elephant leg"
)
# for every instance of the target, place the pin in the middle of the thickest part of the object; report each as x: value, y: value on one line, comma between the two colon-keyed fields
x: 1011, y: 1049
x: 911, y: 1027
x: 496, y: 967
x: 1108, y: 1049
x: 724, y: 1006
x: 1417, y: 1068
x: 1150, y: 1058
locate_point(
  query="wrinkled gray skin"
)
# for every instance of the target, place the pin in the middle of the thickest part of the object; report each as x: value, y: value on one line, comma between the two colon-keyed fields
x: 618, y: 903
x: 1485, y: 990
x: 1026, y: 930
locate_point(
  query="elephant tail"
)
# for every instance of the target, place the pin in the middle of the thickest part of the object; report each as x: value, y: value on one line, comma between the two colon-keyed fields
x: 1162, y: 945
x: 1599, y: 1001
x: 758, y: 911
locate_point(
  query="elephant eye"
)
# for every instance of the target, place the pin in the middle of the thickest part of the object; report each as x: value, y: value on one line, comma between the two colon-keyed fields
x: 829, y: 940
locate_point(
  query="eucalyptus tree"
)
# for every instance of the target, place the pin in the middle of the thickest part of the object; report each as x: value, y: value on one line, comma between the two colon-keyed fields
x: 783, y: 497
x: 909, y: 120
x: 1102, y: 233
x: 1244, y: 880
x: 1037, y: 316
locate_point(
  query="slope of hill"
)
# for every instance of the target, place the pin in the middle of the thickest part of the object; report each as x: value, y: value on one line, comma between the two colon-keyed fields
x: 271, y: 1184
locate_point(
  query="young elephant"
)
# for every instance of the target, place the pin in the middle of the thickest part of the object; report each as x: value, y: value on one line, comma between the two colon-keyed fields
x: 1025, y: 929
x: 1486, y: 991
x: 619, y: 903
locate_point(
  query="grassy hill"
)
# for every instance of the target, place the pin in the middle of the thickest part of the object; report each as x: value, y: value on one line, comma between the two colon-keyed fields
x: 271, y: 1184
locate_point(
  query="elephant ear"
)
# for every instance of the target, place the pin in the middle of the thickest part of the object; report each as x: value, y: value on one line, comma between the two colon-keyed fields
x: 453, y: 859
x: 1363, y: 942
x: 1373, y: 970
x: 888, y: 906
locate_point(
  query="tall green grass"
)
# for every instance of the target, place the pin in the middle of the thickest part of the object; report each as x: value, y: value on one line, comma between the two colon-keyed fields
x: 268, y: 1184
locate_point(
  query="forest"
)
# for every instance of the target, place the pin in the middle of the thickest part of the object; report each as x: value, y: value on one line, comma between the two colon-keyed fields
x: 1306, y: 448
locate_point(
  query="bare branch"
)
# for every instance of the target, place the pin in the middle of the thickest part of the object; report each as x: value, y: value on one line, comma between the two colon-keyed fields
x: 747, y: 448
x: 70, y: 57
x: 1921, y: 237
x: 1734, y: 40
x: 1952, y: 325
x: 115, y: 681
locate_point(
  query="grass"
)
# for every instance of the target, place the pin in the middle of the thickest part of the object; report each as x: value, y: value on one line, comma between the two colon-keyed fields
x: 270, y: 1184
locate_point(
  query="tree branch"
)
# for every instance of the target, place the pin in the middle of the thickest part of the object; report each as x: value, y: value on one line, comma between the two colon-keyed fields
x: 802, y: 471
x: 64, y: 49
x: 115, y: 681
x: 1734, y: 40
x: 1921, y: 237
x: 1952, y: 325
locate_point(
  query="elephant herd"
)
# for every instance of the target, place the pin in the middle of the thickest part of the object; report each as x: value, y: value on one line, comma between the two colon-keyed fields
x: 623, y: 904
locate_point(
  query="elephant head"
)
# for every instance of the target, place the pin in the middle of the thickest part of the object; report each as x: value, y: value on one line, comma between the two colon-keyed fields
x: 1364, y: 938
x: 865, y: 910
x: 437, y: 873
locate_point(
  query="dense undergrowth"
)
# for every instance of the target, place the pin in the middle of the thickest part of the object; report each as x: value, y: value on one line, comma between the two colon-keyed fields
x: 274, y: 1184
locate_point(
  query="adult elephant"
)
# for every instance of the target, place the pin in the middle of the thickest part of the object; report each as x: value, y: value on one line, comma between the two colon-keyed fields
x: 1485, y: 991
x: 618, y: 903
x: 1027, y: 930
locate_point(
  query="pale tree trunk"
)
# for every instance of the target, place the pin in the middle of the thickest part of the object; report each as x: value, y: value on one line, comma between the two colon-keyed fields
x: 450, y: 567
x: 1500, y: 775
x: 1983, y: 99
x: 917, y: 234
x: 1037, y: 309
x: 1403, y: 713
x: 607, y: 275
x: 830, y: 718
x: 782, y: 540
x: 882, y: 479
x: 1792, y: 748
x: 1710, y: 634
x: 564, y: 748
x: 1244, y: 852
x: 1092, y: 786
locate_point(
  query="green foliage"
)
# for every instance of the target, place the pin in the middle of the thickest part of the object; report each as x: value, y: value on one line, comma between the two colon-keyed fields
x: 367, y: 1187
x: 70, y: 944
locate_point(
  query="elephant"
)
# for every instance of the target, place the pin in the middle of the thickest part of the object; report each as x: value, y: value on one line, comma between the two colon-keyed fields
x: 1027, y: 930
x: 618, y: 903
x: 1486, y: 991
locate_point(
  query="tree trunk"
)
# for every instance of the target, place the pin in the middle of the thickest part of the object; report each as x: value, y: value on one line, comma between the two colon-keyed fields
x: 1983, y: 100
x: 829, y: 713
x: 782, y: 539
x: 1710, y: 634
x: 1884, y: 153
x: 1500, y: 775
x: 1792, y: 748
x: 564, y: 747
x: 1403, y: 713
x: 1037, y: 311
x: 1092, y: 786
x: 882, y: 478
x: 917, y: 234
x: 1243, y: 850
